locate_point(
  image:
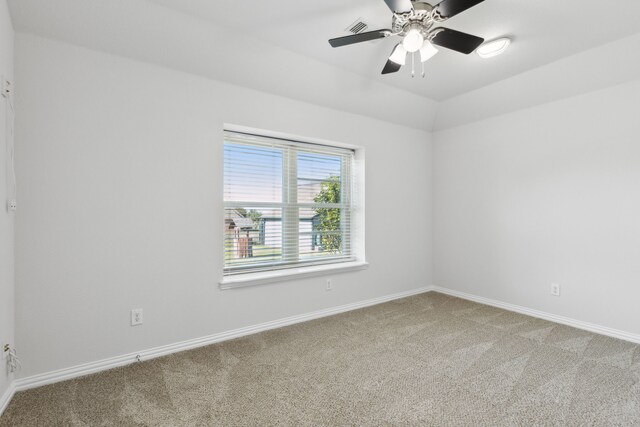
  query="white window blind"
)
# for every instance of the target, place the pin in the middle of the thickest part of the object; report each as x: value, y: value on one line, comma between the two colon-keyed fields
x: 287, y: 204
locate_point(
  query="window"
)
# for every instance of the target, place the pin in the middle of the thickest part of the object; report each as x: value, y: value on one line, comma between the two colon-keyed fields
x: 287, y: 204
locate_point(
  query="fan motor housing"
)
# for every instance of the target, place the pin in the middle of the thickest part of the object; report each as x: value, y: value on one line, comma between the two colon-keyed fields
x: 420, y: 17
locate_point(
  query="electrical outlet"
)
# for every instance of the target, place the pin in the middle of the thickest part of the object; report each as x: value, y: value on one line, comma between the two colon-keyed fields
x: 136, y: 317
x: 12, y: 205
x: 329, y: 285
x: 555, y: 289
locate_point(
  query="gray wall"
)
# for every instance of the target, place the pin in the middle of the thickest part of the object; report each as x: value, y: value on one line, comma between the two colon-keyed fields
x: 544, y: 195
x: 6, y: 219
x: 120, y: 170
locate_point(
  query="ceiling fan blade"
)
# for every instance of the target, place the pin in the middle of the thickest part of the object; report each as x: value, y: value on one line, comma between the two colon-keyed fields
x: 456, y: 40
x: 391, y: 67
x: 450, y: 8
x: 359, y: 38
x: 399, y: 6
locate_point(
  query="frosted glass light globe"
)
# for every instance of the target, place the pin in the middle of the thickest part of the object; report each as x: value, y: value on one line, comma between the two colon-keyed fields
x: 413, y: 41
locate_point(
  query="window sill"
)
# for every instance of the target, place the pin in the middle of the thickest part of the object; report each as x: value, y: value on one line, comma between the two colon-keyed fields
x: 252, y: 279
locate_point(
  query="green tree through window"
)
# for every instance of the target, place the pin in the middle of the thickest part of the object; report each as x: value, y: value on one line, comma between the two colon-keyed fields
x: 329, y: 218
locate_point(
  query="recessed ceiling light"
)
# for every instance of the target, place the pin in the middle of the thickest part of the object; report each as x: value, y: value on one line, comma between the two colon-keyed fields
x: 494, y: 47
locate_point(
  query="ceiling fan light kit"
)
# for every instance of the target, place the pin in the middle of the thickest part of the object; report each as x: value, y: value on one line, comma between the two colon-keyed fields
x: 413, y: 40
x: 399, y: 55
x: 494, y: 47
x: 414, y: 22
x: 427, y: 51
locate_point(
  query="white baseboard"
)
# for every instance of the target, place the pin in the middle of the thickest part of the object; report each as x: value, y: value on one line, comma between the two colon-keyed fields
x: 591, y: 327
x: 6, y: 397
x: 113, y: 362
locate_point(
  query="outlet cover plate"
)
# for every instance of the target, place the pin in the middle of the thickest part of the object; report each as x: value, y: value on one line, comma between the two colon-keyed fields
x: 136, y: 317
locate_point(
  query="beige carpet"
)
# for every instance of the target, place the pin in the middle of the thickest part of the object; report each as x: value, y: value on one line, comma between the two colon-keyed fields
x: 424, y: 360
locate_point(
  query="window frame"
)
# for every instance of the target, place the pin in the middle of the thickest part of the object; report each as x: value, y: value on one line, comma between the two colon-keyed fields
x: 291, y: 266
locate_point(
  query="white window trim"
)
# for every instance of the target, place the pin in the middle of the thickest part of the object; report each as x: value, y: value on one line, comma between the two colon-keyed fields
x: 274, y: 276
x: 360, y: 263
x: 288, y: 137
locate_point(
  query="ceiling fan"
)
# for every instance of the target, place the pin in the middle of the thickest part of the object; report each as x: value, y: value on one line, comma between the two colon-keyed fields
x: 414, y: 21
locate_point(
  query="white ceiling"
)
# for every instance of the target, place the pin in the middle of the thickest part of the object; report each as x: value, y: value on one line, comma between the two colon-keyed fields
x: 560, y: 48
x: 543, y: 31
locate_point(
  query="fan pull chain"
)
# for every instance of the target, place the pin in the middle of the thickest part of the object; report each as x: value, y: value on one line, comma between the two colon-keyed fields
x: 413, y: 65
x: 423, y: 70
